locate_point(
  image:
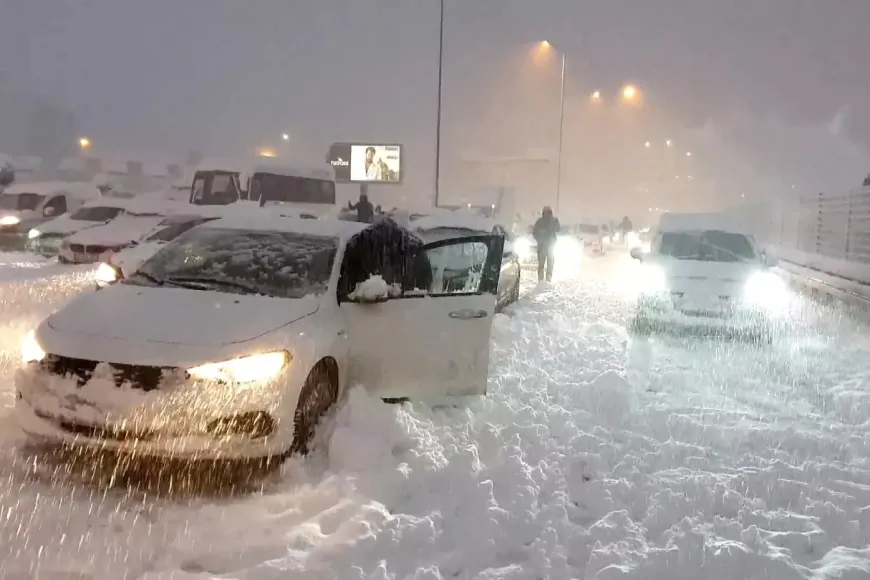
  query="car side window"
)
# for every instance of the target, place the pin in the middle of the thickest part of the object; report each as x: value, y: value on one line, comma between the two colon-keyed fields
x: 457, y: 268
x: 58, y: 204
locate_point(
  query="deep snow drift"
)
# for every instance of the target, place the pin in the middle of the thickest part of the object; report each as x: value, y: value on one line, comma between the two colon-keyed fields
x: 594, y: 455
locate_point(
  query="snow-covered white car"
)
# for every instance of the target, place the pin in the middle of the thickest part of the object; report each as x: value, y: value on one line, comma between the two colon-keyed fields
x: 24, y: 206
x: 233, y: 340
x: 46, y: 238
x: 452, y: 224
x: 143, y: 216
x: 705, y: 274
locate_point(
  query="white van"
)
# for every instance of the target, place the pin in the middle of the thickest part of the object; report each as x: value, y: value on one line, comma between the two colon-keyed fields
x: 308, y: 190
x: 705, y: 271
x: 24, y: 206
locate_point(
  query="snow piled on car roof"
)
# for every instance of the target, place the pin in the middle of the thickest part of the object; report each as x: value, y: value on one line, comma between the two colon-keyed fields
x: 459, y: 219
x: 270, y: 221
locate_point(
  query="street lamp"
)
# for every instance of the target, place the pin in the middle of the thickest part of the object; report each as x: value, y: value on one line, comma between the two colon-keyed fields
x: 647, y: 144
x: 668, y: 142
x: 688, y: 153
x: 546, y: 45
x: 84, y: 143
x: 596, y: 96
x: 285, y: 136
x: 630, y: 92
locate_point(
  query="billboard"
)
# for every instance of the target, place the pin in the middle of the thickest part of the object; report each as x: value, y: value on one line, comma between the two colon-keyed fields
x: 366, y: 162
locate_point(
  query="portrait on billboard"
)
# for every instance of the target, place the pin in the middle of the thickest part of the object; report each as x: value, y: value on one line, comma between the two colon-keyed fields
x: 377, y: 163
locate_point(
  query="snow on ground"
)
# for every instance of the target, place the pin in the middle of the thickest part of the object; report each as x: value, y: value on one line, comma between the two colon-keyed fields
x: 594, y: 455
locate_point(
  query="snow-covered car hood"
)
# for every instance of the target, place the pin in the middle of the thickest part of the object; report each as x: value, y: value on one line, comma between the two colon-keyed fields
x: 120, y: 231
x: 65, y: 225
x: 138, y: 314
x: 129, y: 259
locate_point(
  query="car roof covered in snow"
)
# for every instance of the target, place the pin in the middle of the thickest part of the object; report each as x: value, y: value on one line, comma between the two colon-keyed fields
x: 77, y: 189
x: 455, y: 220
x: 698, y: 222
x: 270, y: 221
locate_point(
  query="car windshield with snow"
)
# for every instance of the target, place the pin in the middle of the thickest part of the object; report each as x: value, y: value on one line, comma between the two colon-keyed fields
x: 234, y: 339
x: 20, y: 201
x: 279, y: 264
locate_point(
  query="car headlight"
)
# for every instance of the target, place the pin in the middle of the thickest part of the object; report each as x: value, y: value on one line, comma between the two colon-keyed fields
x: 258, y: 367
x: 30, y: 349
x: 523, y: 248
x: 765, y: 289
x: 654, y: 279
x: 33, y: 234
x: 9, y: 220
x: 107, y: 274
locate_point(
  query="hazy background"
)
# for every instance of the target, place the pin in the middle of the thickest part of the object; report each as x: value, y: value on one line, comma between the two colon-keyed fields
x: 770, y: 97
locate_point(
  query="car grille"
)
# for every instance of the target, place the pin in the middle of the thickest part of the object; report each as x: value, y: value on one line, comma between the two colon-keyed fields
x: 77, y: 248
x: 97, y: 431
x: 97, y: 249
x: 146, y: 378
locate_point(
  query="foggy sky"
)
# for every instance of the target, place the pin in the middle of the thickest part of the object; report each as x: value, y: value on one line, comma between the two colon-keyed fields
x: 229, y: 74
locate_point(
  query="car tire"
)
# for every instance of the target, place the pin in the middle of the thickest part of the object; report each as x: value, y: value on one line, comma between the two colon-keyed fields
x: 62, y: 260
x: 319, y: 394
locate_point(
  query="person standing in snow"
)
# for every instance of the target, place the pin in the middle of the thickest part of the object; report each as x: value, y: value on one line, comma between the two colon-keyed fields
x: 365, y: 211
x: 545, y: 231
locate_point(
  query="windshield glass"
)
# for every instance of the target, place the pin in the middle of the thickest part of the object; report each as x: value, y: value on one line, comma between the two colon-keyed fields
x: 280, y: 264
x: 709, y: 246
x: 96, y: 214
x: 20, y: 201
x: 172, y: 231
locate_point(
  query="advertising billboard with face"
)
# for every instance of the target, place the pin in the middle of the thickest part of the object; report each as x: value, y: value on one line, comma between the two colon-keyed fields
x: 366, y: 162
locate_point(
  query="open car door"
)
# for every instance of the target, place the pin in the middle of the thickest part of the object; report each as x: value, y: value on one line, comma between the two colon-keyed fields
x: 430, y: 343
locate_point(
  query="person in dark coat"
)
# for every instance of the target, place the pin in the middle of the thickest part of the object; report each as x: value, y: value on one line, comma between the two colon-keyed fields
x: 545, y: 231
x: 365, y: 211
x: 388, y: 250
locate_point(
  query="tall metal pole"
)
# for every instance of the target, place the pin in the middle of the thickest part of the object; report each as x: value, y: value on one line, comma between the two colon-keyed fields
x: 561, y: 132
x: 438, y: 117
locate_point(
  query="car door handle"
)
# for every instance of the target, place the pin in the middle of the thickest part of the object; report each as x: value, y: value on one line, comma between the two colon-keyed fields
x: 468, y: 314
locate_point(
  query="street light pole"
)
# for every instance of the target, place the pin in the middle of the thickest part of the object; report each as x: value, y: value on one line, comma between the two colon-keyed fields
x: 561, y: 133
x: 438, y: 114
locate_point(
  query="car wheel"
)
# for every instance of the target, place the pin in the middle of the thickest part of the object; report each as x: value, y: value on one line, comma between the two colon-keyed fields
x: 318, y: 395
x: 62, y: 260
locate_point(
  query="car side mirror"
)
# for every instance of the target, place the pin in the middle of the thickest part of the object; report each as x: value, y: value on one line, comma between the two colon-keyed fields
x: 637, y: 254
x: 48, y: 211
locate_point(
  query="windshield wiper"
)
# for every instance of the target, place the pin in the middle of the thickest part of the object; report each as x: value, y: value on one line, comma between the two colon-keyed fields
x: 204, y: 282
x: 150, y: 277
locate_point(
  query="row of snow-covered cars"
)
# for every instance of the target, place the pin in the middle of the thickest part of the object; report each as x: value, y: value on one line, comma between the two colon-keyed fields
x: 234, y: 337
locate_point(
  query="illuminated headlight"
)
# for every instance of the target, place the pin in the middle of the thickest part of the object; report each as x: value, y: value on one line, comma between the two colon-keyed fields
x: 33, y: 234
x: 107, y: 274
x: 766, y: 290
x: 523, y: 248
x: 258, y: 367
x: 30, y: 349
x: 655, y: 280
x: 632, y: 240
x: 9, y: 220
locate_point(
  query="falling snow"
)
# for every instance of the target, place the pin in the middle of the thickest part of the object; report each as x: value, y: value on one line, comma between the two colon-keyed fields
x: 595, y: 454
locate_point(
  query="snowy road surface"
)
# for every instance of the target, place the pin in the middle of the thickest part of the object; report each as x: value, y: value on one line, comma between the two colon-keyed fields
x: 594, y: 455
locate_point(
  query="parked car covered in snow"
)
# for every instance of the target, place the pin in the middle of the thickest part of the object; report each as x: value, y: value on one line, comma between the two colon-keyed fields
x: 143, y: 215
x: 46, y: 238
x: 451, y: 224
x: 704, y: 272
x: 24, y: 206
x: 234, y: 339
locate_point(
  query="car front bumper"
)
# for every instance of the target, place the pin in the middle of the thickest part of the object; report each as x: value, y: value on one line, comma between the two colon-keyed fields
x: 43, y: 415
x: 654, y: 313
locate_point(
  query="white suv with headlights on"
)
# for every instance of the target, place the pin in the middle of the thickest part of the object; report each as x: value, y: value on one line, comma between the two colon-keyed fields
x: 703, y: 275
x: 235, y: 338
